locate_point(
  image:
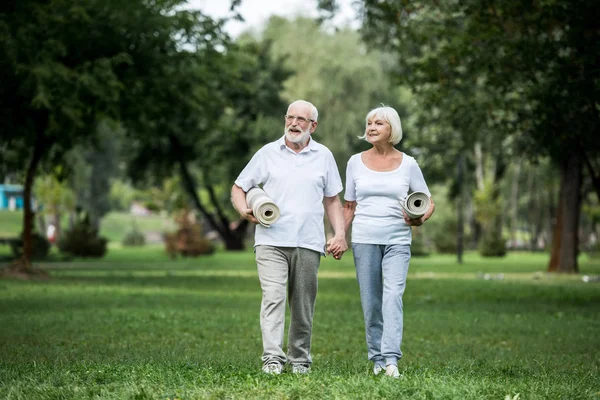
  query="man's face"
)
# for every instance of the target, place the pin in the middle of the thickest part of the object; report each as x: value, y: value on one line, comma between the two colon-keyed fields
x: 298, y: 125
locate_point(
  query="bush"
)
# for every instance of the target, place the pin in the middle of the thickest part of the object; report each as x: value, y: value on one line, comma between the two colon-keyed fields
x: 188, y: 240
x: 83, y: 241
x: 40, y: 246
x: 134, y: 238
x: 593, y: 250
x: 418, y: 247
x: 492, y: 245
x: 445, y: 238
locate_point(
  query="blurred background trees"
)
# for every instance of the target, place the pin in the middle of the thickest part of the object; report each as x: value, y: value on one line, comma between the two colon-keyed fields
x: 508, y: 79
x: 110, y: 107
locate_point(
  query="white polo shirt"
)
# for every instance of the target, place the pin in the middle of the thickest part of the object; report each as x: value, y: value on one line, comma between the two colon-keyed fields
x: 297, y: 183
x: 378, y: 218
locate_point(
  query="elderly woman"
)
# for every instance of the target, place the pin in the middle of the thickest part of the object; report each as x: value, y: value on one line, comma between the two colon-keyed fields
x: 376, y: 180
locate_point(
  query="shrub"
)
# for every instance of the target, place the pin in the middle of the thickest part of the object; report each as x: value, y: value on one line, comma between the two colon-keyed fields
x: 134, y: 238
x: 188, y: 239
x: 40, y: 246
x: 83, y: 240
x: 418, y: 247
x: 444, y: 239
x: 492, y: 245
x: 593, y: 250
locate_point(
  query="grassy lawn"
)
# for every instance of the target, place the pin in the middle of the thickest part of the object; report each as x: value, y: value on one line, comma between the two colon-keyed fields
x: 114, y: 225
x: 139, y: 326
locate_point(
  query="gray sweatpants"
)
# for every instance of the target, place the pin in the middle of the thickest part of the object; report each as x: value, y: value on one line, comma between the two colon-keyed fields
x: 297, y: 268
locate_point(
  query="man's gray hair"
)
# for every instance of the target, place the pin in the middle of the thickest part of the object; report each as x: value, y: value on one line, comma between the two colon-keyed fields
x: 314, y: 113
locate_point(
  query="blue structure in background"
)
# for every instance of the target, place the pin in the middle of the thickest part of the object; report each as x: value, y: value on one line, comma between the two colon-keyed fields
x: 11, y: 197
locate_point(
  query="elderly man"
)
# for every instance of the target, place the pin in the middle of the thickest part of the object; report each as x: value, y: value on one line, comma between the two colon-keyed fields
x: 300, y: 176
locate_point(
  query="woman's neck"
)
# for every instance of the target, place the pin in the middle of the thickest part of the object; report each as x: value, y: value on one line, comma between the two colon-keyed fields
x: 384, y: 149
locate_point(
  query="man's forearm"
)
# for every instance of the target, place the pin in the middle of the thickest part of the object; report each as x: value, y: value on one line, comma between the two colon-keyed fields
x: 333, y: 207
x: 238, y: 199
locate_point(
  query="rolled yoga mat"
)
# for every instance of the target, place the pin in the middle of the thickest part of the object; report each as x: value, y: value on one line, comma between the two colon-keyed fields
x: 415, y: 204
x: 264, y: 209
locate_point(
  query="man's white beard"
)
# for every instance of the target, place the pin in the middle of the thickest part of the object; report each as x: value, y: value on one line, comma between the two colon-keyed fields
x: 302, y: 138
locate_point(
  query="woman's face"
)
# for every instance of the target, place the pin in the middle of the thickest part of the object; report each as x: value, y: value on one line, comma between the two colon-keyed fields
x: 378, y: 131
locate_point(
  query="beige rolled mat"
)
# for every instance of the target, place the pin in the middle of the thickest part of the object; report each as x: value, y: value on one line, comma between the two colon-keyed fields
x: 264, y: 209
x: 415, y: 204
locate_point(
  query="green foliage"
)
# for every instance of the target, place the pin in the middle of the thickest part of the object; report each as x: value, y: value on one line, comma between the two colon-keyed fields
x: 488, y: 205
x: 488, y: 209
x: 83, y: 240
x: 339, y: 74
x: 54, y: 195
x: 593, y: 250
x: 68, y: 65
x: 492, y: 245
x: 40, y: 247
x: 419, y: 247
x: 121, y: 195
x: 444, y: 237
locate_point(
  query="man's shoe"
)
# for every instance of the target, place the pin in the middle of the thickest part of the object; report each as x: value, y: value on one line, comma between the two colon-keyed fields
x: 392, y: 371
x: 300, y: 369
x: 272, y: 368
x: 377, y: 368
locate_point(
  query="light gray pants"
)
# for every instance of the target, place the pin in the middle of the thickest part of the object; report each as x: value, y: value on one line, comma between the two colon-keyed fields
x: 297, y: 268
x: 381, y: 271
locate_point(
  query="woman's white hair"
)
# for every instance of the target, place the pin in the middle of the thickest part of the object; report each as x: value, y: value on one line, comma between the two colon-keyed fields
x: 314, y: 114
x: 389, y: 115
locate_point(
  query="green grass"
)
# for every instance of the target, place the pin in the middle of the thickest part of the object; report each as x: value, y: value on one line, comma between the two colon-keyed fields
x: 143, y: 327
x: 11, y: 223
x: 114, y: 225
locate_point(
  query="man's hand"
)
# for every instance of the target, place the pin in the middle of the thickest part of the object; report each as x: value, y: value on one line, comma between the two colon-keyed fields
x: 337, y: 246
x: 248, y: 214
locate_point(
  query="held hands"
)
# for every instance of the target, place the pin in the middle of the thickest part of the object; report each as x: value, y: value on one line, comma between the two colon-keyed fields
x: 413, y: 222
x: 336, y: 246
x: 248, y: 214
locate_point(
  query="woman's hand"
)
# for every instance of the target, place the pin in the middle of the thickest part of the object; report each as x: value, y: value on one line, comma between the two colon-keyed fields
x: 413, y: 222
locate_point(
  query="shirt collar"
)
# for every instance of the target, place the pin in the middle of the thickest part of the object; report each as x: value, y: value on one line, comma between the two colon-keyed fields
x: 312, y: 144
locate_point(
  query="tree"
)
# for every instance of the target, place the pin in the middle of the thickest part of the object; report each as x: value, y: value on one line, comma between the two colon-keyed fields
x: 215, y: 128
x: 66, y: 65
x: 537, y: 59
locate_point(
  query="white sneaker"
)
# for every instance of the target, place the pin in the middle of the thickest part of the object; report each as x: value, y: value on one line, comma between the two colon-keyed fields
x: 377, y: 368
x: 392, y: 371
x: 272, y: 368
x: 300, y: 369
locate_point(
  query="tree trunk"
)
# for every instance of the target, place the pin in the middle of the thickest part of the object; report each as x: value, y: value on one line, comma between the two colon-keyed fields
x: 514, y: 203
x: 28, y: 212
x: 41, y: 223
x: 232, y: 238
x: 479, y: 179
x: 460, y: 205
x: 592, y: 171
x: 565, y: 242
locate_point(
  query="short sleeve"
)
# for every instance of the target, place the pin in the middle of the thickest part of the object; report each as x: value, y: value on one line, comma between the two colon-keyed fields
x: 254, y: 173
x: 350, y: 194
x: 334, y: 181
x: 417, y: 181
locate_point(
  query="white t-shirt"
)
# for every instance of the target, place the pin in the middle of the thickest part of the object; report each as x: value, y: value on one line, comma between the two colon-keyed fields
x: 378, y: 218
x: 297, y: 183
